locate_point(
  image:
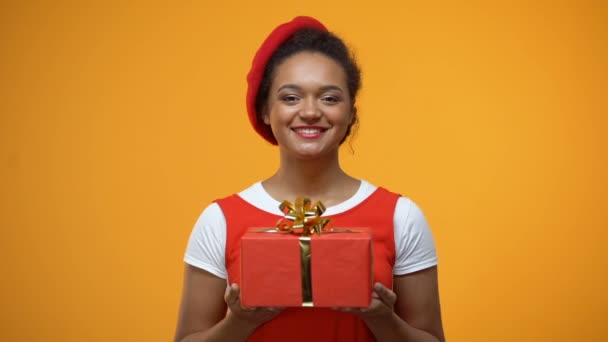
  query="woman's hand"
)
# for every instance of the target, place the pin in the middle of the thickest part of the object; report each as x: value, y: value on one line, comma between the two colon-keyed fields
x: 250, y: 316
x: 382, y: 305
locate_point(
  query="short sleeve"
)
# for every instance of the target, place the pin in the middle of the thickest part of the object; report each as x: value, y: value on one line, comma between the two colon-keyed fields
x: 207, y: 245
x: 414, y: 244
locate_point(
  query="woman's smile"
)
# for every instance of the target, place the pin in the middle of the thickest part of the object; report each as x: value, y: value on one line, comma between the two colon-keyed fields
x: 309, y: 132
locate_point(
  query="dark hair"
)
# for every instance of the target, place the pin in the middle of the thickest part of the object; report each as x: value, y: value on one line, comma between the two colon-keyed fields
x: 313, y: 41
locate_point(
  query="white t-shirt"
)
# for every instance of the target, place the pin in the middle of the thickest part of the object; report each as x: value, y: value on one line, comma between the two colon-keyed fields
x: 414, y: 244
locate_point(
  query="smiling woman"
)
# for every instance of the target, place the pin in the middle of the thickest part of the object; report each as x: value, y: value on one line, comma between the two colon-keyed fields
x: 309, y: 109
x: 302, y: 92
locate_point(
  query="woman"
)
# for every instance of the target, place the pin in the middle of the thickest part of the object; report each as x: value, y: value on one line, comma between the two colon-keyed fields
x: 302, y: 90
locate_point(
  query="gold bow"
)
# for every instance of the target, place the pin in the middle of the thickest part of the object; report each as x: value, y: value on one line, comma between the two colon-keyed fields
x: 303, y: 217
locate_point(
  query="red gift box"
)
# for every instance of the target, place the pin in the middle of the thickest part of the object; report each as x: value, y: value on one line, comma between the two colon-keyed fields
x: 274, y: 269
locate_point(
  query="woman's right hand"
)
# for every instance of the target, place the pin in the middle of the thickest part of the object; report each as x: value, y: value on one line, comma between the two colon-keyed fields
x: 250, y: 316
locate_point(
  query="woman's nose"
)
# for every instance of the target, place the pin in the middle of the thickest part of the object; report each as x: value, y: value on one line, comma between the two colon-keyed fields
x: 310, y: 110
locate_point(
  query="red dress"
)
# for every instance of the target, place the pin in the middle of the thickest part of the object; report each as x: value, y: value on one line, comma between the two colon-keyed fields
x: 317, y: 324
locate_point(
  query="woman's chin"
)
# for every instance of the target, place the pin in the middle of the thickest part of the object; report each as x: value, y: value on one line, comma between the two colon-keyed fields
x: 308, y: 150
x: 313, y: 154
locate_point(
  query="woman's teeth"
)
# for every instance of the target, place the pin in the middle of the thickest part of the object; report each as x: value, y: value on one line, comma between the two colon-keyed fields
x: 308, y: 130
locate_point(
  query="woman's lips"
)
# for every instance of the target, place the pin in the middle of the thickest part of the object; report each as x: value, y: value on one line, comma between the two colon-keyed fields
x: 309, y: 132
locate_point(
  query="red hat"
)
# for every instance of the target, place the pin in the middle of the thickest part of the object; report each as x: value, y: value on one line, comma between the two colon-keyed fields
x: 277, y: 37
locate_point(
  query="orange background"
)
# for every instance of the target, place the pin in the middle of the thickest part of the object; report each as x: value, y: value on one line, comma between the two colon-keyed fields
x: 121, y: 121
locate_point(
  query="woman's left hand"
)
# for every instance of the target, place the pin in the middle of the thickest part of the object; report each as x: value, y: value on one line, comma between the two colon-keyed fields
x: 382, y: 305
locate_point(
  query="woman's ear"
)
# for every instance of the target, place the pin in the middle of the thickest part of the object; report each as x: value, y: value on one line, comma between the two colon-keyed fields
x: 353, y: 115
x: 265, y: 116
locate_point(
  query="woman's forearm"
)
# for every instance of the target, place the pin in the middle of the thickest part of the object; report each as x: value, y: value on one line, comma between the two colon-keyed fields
x: 228, y: 329
x: 396, y: 329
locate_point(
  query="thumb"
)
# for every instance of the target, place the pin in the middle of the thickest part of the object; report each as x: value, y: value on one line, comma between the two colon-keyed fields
x: 387, y: 296
x: 232, y: 294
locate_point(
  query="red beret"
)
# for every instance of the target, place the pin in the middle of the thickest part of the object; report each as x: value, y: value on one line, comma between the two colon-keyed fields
x: 277, y: 37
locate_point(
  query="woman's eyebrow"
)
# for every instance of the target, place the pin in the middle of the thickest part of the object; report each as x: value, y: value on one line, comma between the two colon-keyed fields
x: 296, y: 87
x: 331, y: 87
x: 289, y: 86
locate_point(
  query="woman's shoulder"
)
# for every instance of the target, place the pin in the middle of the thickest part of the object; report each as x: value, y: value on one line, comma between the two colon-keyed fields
x: 254, y: 195
x: 403, y: 202
x: 406, y: 209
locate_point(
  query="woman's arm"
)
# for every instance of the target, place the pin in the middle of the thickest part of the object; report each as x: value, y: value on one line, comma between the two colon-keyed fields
x: 202, y: 314
x: 410, y: 313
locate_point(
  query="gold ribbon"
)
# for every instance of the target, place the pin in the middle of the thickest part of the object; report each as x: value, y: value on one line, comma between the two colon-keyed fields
x: 302, y: 217
x: 306, y: 271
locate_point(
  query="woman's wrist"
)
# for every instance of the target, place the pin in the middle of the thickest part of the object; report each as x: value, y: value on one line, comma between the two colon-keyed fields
x: 387, y: 319
x: 388, y: 327
x: 240, y: 324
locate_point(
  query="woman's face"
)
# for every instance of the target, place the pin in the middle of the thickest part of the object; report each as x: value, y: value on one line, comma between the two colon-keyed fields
x: 309, y: 107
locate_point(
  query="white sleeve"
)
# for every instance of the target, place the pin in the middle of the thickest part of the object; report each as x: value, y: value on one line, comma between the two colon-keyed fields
x: 414, y: 244
x: 207, y: 245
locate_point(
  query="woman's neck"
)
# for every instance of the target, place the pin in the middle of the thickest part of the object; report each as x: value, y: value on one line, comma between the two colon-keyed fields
x: 318, y: 179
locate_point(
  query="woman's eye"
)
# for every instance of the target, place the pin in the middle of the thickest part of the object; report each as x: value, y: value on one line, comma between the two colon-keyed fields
x: 330, y: 99
x: 289, y: 98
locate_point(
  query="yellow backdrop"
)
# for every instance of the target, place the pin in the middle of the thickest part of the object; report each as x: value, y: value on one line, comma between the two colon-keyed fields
x: 121, y: 121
